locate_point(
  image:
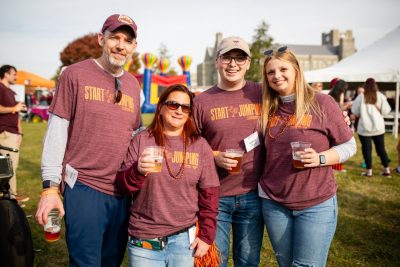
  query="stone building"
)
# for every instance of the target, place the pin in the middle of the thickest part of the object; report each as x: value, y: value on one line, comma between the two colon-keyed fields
x: 206, y: 72
x: 335, y: 46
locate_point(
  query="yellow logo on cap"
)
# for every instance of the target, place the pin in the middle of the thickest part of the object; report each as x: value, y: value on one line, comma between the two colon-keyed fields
x: 125, y: 19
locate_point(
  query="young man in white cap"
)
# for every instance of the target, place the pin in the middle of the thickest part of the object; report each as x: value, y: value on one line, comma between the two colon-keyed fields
x: 227, y: 115
x: 94, y: 112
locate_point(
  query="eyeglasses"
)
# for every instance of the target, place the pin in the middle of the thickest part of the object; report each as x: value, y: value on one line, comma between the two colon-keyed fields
x: 271, y: 51
x: 118, y: 92
x: 172, y: 105
x: 227, y: 59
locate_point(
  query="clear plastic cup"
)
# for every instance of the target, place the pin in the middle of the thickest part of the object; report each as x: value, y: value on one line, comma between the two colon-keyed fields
x: 236, y: 154
x: 298, y: 148
x: 156, y: 154
x: 52, y: 228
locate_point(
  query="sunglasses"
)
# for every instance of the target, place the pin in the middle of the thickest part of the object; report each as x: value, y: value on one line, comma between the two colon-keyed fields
x: 271, y: 51
x: 118, y: 92
x: 172, y: 105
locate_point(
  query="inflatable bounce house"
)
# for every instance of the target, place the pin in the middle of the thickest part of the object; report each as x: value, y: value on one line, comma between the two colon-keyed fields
x: 154, y: 84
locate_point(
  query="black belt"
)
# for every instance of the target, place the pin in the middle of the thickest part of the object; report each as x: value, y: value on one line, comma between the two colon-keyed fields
x: 180, y: 231
x: 165, y: 237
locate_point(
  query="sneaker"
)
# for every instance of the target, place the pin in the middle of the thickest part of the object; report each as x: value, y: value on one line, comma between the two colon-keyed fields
x: 365, y: 174
x: 386, y: 174
x: 21, y: 198
x: 397, y: 170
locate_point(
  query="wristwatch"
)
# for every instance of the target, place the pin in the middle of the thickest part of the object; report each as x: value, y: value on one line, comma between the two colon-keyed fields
x: 322, y: 159
x: 49, y: 183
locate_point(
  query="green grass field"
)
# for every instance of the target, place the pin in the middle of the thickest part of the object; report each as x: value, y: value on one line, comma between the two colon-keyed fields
x: 368, y: 231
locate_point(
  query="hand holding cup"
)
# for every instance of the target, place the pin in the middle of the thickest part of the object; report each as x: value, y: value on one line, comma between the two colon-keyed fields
x: 298, y: 150
x: 150, y: 160
x: 236, y: 155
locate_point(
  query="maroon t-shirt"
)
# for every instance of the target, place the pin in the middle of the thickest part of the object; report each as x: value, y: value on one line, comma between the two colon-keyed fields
x: 225, y: 119
x: 165, y: 204
x: 8, y: 121
x: 302, y: 188
x: 100, y: 131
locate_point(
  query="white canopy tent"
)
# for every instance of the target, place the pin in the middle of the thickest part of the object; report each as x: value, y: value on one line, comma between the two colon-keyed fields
x: 380, y: 60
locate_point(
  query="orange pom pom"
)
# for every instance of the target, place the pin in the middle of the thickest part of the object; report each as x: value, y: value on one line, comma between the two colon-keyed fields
x: 211, y: 259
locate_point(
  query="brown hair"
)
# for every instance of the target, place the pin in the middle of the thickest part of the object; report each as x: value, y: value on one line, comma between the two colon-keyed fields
x: 305, y: 94
x: 338, y: 89
x: 156, y: 127
x: 6, y: 68
x: 370, y: 91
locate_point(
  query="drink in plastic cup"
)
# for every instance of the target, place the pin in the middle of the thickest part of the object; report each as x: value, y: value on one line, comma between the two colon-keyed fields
x: 53, y: 226
x: 297, y: 150
x: 156, y: 154
x: 236, y: 154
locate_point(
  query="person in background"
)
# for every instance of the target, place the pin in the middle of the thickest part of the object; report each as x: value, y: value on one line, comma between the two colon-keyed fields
x: 338, y: 92
x: 168, y: 203
x: 10, y: 124
x: 370, y: 108
x: 360, y: 91
x: 49, y: 98
x: 227, y: 116
x: 34, y: 98
x: 43, y: 99
x: 28, y: 100
x: 299, y: 205
x: 354, y: 118
x: 317, y: 86
x: 94, y: 113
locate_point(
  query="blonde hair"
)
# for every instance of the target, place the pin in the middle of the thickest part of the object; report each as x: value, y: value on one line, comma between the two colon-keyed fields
x: 305, y: 94
x: 317, y: 86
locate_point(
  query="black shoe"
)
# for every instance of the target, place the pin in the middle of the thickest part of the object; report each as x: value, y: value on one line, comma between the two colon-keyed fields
x: 386, y: 174
x: 365, y: 174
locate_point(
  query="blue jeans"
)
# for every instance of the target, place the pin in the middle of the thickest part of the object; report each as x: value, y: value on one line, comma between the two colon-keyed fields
x: 301, y: 237
x: 243, y: 212
x: 96, y: 226
x: 175, y: 254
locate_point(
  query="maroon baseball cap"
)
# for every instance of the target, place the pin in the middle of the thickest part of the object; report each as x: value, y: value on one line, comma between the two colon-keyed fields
x: 115, y: 21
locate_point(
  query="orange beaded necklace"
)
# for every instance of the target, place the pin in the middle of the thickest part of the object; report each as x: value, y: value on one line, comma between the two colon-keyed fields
x: 179, y: 174
x: 282, y: 129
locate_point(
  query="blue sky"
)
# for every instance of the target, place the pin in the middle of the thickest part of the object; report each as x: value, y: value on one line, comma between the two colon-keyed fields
x: 34, y: 32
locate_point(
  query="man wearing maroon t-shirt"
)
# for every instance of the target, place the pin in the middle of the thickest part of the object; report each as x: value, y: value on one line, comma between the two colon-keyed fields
x: 94, y: 113
x: 10, y: 123
x: 227, y: 116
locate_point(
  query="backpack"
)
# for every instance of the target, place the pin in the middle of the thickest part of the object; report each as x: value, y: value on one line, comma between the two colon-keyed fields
x: 16, y: 246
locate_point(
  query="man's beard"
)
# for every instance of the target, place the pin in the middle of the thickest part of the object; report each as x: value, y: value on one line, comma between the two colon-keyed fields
x: 116, y: 62
x: 119, y: 63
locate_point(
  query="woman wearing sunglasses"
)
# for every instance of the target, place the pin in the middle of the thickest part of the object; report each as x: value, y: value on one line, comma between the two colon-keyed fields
x: 299, y: 204
x: 167, y: 204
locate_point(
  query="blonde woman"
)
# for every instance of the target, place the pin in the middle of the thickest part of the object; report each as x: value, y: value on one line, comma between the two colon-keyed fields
x: 299, y: 204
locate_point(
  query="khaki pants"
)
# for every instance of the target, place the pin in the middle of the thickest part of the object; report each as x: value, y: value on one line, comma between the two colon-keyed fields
x: 11, y: 140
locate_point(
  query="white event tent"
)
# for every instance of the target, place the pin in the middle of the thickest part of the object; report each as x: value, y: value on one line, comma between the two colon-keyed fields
x: 380, y: 60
